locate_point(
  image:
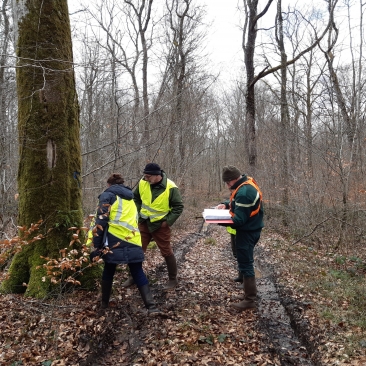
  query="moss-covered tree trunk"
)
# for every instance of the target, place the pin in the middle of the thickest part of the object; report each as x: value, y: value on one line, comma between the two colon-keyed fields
x: 49, y: 145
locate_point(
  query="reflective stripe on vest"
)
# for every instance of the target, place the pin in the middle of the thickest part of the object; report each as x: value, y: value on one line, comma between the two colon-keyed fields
x: 123, y: 221
x: 254, y: 184
x: 158, y: 209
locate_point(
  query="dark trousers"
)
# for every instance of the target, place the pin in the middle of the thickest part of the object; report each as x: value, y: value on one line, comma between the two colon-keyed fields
x: 233, y: 244
x: 245, y: 243
x: 136, y: 271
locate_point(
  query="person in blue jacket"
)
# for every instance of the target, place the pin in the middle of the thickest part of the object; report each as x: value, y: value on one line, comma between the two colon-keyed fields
x: 117, y: 239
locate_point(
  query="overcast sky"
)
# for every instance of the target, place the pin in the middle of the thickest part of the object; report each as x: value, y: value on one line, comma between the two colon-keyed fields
x: 225, y: 36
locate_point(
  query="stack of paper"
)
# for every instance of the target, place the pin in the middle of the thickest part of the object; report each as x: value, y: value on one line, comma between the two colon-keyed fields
x: 215, y: 215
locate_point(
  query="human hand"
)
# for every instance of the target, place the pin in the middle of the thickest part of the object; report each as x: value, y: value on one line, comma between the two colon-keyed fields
x: 164, y: 224
x: 221, y: 206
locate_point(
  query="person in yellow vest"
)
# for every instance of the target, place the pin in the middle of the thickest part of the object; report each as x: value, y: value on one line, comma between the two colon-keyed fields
x: 117, y: 239
x: 246, y: 209
x: 159, y: 203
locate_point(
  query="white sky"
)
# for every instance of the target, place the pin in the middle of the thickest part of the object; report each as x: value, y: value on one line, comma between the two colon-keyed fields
x: 225, y: 36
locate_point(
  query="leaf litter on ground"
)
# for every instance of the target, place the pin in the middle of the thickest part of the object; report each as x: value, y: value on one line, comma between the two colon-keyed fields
x: 197, y: 326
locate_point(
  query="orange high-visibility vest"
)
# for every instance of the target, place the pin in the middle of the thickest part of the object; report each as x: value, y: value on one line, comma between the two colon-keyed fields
x: 254, y: 184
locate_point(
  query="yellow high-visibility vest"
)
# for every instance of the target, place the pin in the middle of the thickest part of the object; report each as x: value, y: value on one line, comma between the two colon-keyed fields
x: 230, y: 230
x: 254, y: 184
x: 123, y: 221
x: 158, y: 209
x: 89, y: 236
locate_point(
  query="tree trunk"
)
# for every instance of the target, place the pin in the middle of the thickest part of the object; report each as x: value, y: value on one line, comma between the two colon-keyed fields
x: 49, y: 146
x: 285, y: 123
x: 250, y: 94
x: 143, y: 13
x: 250, y: 31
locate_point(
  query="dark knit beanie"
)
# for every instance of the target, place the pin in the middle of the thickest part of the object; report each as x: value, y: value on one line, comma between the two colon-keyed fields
x: 152, y: 169
x: 229, y: 173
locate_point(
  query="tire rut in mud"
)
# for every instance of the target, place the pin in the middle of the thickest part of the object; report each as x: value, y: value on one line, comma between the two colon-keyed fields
x: 125, y: 323
x: 281, y: 319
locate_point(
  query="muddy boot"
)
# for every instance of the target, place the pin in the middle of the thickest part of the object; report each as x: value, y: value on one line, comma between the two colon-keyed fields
x: 239, y: 278
x: 250, y: 295
x: 147, y: 298
x: 172, y: 273
x: 106, y: 293
x: 129, y: 282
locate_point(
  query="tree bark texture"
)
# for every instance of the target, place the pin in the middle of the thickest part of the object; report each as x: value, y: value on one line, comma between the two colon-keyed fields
x: 143, y: 15
x: 49, y: 145
x: 250, y: 95
x: 285, y: 120
x: 250, y: 30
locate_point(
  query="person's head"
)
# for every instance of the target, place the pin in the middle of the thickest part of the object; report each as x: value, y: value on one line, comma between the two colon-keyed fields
x: 115, y: 178
x: 152, y: 173
x: 230, y: 175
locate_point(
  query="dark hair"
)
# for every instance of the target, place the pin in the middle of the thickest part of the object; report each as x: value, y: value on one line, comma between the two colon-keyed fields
x: 115, y: 178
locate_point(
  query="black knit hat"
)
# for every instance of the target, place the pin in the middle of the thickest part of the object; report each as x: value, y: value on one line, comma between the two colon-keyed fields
x: 152, y: 169
x: 229, y: 173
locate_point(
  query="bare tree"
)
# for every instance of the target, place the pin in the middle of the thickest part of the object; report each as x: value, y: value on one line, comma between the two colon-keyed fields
x: 8, y: 151
x: 350, y: 116
x: 184, y: 40
x: 285, y: 120
x: 142, y: 13
x: 248, y: 44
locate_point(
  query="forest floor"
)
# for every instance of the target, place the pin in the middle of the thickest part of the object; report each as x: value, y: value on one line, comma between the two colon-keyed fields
x: 296, y: 322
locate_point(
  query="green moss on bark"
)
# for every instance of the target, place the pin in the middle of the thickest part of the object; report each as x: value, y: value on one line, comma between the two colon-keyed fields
x: 49, y: 143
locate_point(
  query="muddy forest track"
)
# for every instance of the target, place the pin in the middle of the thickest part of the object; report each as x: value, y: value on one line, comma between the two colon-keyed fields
x: 282, y: 319
x: 126, y: 324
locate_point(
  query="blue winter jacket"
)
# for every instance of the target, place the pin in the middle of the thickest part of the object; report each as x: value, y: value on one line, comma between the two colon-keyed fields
x: 125, y: 252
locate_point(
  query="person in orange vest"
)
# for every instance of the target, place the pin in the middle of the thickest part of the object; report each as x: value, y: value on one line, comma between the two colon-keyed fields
x: 246, y: 209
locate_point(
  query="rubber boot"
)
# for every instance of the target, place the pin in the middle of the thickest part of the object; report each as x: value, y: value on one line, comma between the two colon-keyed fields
x: 129, y: 282
x: 148, y: 300
x: 172, y: 273
x: 106, y: 293
x: 250, y: 295
x: 239, y: 278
